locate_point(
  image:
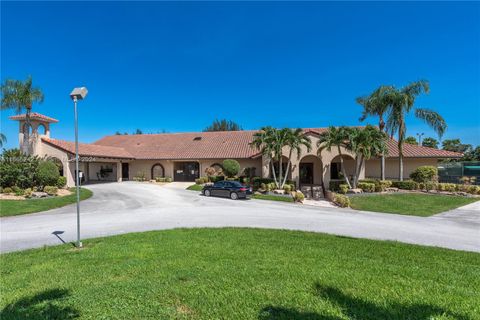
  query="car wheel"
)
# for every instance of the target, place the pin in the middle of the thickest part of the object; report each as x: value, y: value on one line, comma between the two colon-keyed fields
x: 206, y: 193
x: 233, y: 196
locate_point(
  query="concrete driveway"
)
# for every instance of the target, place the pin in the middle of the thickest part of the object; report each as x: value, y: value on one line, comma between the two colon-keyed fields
x: 118, y: 208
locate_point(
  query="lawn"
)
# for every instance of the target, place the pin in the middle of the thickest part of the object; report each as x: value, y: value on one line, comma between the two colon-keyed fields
x: 16, y: 207
x: 272, y: 197
x: 195, y: 187
x: 239, y: 274
x: 413, y: 204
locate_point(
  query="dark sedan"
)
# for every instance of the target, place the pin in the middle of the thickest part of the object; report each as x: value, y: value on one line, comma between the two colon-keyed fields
x: 229, y: 189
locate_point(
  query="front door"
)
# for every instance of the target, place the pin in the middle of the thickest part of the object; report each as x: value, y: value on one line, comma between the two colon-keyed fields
x: 306, y: 173
x: 124, y: 171
x: 186, y: 171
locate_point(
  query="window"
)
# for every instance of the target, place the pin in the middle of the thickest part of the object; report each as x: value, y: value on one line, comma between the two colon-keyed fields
x: 158, y: 171
x: 41, y: 129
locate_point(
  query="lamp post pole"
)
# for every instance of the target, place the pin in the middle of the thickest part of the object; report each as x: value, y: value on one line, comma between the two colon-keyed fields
x: 75, y: 95
x: 77, y: 178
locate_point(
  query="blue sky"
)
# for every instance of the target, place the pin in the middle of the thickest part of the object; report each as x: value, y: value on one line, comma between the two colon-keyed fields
x: 177, y: 66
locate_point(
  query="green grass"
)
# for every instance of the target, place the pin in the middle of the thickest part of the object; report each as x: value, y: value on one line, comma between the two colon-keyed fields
x: 272, y: 197
x: 240, y: 274
x: 195, y: 187
x: 413, y: 204
x: 17, y: 207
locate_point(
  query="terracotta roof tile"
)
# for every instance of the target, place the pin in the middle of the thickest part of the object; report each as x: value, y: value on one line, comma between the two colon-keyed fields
x: 90, y: 150
x: 205, y: 145
x: 34, y: 116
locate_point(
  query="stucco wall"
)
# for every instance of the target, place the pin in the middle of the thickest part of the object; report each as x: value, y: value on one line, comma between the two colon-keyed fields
x: 372, y: 168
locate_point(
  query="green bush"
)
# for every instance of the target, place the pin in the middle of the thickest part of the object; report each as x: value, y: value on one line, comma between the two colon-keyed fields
x: 27, y: 192
x: 257, y: 182
x: 50, y: 190
x: 473, y: 189
x: 287, y: 188
x: 168, y: 179
x: 201, y: 180
x: 406, y: 185
x: 341, y: 200
x: 298, y: 196
x: 47, y: 173
x: 7, y: 190
x: 380, y: 185
x: 19, y: 192
x: 450, y: 187
x: 425, y: 174
x: 216, y: 178
x: 367, y: 186
x: 18, y: 169
x: 335, y: 185
x: 343, y: 188
x: 231, y: 167
x: 141, y: 176
x: 61, y: 182
x: 160, y: 179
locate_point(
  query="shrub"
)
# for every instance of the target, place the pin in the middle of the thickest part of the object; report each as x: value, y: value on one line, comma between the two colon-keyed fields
x: 343, y: 188
x: 18, y: 169
x: 47, y: 174
x: 287, y: 188
x: 231, y: 167
x: 168, y: 179
x: 258, y: 181
x: 473, y: 189
x: 27, y: 192
x: 341, y: 200
x: 50, y: 190
x: 210, y: 171
x: 7, y: 190
x: 141, y: 176
x: 217, y: 178
x: 19, y: 192
x: 406, y: 185
x: 298, y: 196
x: 450, y: 187
x: 467, y: 180
x: 61, y: 182
x: 335, y: 185
x: 367, y: 186
x: 425, y: 174
x: 160, y: 179
x: 382, y: 185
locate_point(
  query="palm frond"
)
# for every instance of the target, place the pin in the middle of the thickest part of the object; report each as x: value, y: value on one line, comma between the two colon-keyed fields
x: 433, y: 119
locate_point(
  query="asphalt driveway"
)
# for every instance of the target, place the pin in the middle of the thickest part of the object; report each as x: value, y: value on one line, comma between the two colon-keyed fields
x: 118, y: 208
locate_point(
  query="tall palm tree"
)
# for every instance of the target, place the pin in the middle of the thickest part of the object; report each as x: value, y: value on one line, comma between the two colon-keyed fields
x: 402, y: 103
x: 334, y: 137
x: 377, y: 104
x: 267, y: 140
x: 19, y: 96
x: 365, y: 143
x: 3, y: 139
x: 295, y: 139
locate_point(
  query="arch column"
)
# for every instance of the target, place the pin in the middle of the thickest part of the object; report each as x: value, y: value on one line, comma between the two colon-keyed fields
x: 265, y: 167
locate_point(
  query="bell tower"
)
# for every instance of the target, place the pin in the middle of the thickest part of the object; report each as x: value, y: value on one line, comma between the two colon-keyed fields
x: 39, y: 128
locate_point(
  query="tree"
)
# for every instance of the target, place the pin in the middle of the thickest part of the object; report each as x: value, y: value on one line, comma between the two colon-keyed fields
x: 18, y: 169
x: 19, y: 96
x: 270, y: 142
x: 295, y: 139
x: 377, y: 104
x: 223, y: 125
x: 456, y: 146
x: 231, y: 167
x: 402, y: 103
x: 411, y: 140
x: 3, y: 139
x: 138, y: 131
x: 365, y: 143
x: 430, y: 142
x: 335, y: 137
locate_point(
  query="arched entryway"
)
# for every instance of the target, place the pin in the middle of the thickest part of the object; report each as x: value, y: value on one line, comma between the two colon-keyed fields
x: 310, y: 176
x: 336, y: 171
x: 157, y: 171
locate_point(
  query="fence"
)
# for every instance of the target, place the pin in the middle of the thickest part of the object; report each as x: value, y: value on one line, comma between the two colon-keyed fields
x: 451, y: 172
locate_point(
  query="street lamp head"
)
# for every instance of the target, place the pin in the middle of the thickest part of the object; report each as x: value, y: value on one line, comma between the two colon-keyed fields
x: 79, y: 93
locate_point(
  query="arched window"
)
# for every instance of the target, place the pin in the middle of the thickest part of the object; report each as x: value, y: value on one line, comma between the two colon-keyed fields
x: 158, y: 171
x: 41, y: 129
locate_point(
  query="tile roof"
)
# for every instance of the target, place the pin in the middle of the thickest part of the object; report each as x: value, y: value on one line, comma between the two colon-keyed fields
x: 196, y: 145
x: 90, y: 150
x: 205, y: 145
x: 34, y: 116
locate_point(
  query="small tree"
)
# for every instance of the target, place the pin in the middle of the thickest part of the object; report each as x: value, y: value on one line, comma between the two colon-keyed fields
x: 231, y: 167
x: 430, y: 142
x: 47, y: 174
x: 411, y: 140
x: 223, y: 125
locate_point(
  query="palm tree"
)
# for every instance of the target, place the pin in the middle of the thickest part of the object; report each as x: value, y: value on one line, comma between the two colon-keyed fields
x: 21, y: 95
x: 403, y: 102
x: 334, y: 137
x: 295, y: 139
x: 365, y: 143
x: 266, y: 140
x: 3, y: 139
x: 377, y: 104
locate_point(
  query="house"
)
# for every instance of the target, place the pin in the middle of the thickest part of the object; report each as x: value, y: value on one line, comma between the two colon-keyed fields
x: 185, y: 156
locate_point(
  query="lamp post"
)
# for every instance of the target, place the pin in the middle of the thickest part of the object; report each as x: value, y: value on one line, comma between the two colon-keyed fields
x: 420, y: 135
x: 77, y: 94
